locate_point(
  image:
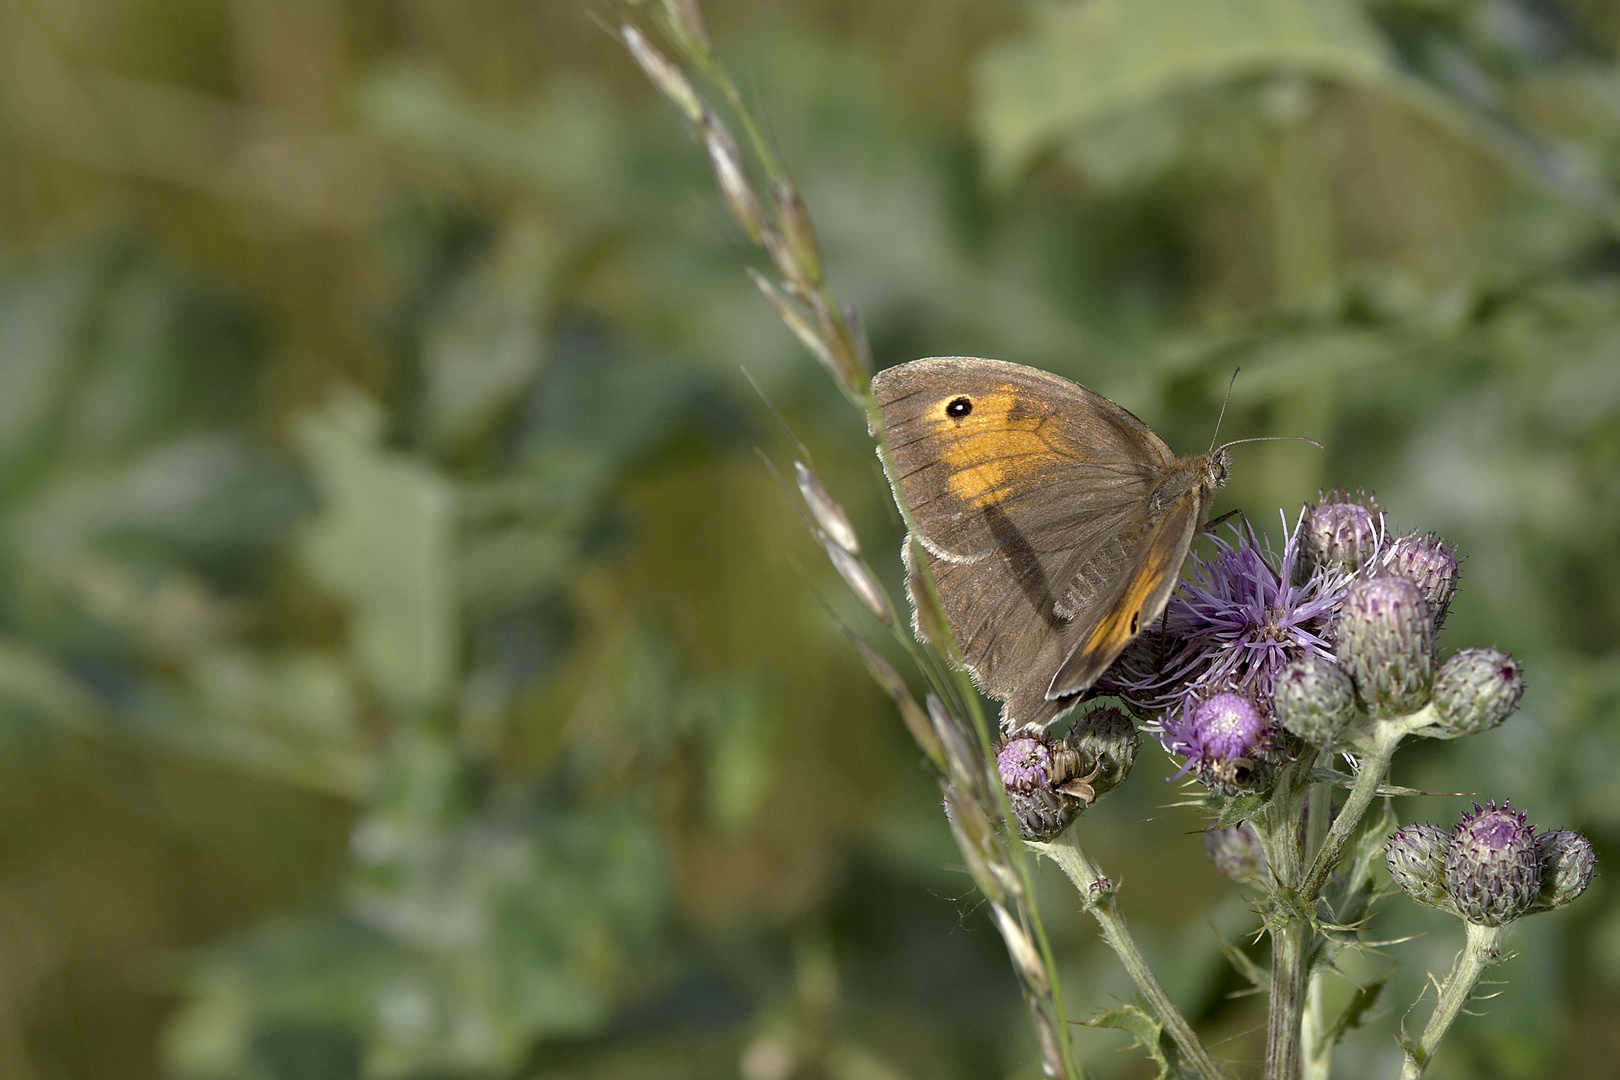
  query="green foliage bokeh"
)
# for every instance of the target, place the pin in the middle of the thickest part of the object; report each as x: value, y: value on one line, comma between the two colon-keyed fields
x: 407, y: 666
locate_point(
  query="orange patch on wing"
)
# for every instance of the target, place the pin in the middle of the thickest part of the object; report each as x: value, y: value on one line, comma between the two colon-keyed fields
x: 1115, y: 628
x: 990, y: 453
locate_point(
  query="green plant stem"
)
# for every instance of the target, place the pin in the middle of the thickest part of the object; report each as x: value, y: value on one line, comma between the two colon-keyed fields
x: 1316, y: 1060
x: 1292, y: 933
x: 1318, y: 809
x: 1098, y: 898
x: 1482, y: 948
x: 1387, y: 735
x: 1316, y: 1056
x: 1290, y: 952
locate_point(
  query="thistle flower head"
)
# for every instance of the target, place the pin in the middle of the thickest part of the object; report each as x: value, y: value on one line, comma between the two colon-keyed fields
x: 1233, y: 625
x: 1228, y: 744
x: 1567, y: 862
x: 1107, y: 742
x: 1475, y: 691
x: 1045, y: 784
x: 1341, y: 532
x: 1386, y: 643
x: 1429, y: 563
x: 1314, y: 699
x: 1237, y: 852
x: 1493, y: 870
x: 1416, y: 857
x: 1025, y: 762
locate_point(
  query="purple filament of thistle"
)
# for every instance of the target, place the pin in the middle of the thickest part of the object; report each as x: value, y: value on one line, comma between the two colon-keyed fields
x: 1234, y: 623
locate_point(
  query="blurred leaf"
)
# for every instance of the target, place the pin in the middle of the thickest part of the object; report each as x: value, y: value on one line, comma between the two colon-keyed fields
x: 740, y: 721
x: 294, y: 716
x: 1081, y: 62
x: 199, y: 497
x: 33, y: 689
x: 1256, y: 975
x: 1361, y: 1002
x: 103, y: 353
x: 482, y: 353
x: 562, y: 144
x: 384, y: 542
x: 466, y: 945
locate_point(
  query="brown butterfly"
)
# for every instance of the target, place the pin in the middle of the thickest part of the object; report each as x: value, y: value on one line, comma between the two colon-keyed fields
x: 1055, y: 522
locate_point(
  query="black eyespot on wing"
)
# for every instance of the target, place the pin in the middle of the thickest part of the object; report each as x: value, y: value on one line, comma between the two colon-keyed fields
x: 958, y: 408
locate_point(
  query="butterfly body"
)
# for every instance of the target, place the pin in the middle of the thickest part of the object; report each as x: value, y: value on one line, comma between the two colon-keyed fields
x: 1054, y: 522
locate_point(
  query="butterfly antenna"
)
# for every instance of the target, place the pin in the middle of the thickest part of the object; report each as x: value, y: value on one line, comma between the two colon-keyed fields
x: 1259, y: 438
x: 1222, y: 416
x: 1276, y: 438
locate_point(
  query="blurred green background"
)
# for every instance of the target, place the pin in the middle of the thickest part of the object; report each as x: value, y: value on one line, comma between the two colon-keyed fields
x: 409, y: 670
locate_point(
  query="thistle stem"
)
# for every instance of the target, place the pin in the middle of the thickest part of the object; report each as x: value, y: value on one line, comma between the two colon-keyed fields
x: 1482, y: 948
x: 1386, y: 737
x: 1316, y: 1055
x: 1280, y: 824
x: 1290, y: 951
x: 1098, y: 897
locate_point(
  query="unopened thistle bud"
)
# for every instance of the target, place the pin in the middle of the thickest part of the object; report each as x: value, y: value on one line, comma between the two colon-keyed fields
x: 1107, y: 741
x: 1386, y: 643
x: 1314, y: 699
x: 1567, y: 862
x: 1237, y: 852
x: 1227, y: 743
x: 1493, y: 870
x: 1474, y: 691
x: 1429, y: 563
x: 1340, y: 532
x: 1045, y: 783
x: 1416, y: 857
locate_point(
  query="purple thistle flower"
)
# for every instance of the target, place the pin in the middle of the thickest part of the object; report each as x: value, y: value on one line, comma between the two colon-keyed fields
x: 1220, y: 728
x: 1043, y: 782
x: 1232, y: 626
x: 1025, y: 762
x: 1227, y: 743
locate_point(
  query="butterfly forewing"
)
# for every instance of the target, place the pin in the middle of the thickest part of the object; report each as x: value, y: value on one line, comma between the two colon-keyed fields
x: 968, y: 436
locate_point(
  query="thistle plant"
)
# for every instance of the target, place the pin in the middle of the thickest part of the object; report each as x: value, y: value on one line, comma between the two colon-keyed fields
x: 1267, y: 670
